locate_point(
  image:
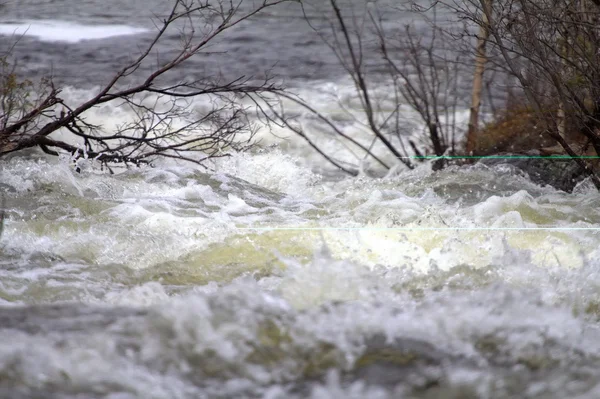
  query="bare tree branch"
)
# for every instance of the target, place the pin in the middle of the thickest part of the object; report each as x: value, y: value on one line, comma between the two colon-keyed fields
x: 165, y: 123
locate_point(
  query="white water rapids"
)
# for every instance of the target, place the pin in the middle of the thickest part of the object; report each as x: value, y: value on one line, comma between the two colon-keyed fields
x: 260, y: 278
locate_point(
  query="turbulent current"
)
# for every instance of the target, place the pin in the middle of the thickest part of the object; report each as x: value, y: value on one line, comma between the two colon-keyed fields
x: 262, y: 276
x: 261, y: 279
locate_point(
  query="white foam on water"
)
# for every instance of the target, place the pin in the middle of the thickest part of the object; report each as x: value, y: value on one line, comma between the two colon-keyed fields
x: 146, y: 217
x: 65, y: 31
x: 334, y: 100
x: 339, y: 103
x: 212, y: 309
x: 273, y: 170
x: 244, y: 339
x: 147, y: 294
x: 390, y: 257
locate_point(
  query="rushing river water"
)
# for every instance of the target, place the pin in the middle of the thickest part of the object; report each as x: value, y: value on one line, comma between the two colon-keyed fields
x: 260, y: 278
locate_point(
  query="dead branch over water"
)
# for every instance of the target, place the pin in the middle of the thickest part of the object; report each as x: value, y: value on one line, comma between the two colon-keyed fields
x: 165, y: 123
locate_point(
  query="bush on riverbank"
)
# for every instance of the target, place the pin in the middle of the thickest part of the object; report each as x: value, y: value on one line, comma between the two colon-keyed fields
x: 518, y: 129
x: 515, y: 130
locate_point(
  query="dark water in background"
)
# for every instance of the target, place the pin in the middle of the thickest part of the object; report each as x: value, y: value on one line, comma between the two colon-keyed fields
x: 278, y: 40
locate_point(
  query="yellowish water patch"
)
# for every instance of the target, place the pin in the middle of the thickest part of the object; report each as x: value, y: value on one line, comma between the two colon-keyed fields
x: 542, y: 215
x: 274, y: 347
x: 258, y: 253
x: 549, y: 249
x: 420, y: 249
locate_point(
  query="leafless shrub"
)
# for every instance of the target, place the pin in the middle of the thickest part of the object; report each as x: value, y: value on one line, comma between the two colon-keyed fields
x: 165, y: 123
x: 420, y: 74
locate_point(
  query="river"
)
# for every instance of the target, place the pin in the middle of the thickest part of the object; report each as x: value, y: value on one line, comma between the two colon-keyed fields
x: 269, y: 276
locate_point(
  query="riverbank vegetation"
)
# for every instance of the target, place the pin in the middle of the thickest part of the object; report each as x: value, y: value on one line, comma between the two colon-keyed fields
x: 532, y: 68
